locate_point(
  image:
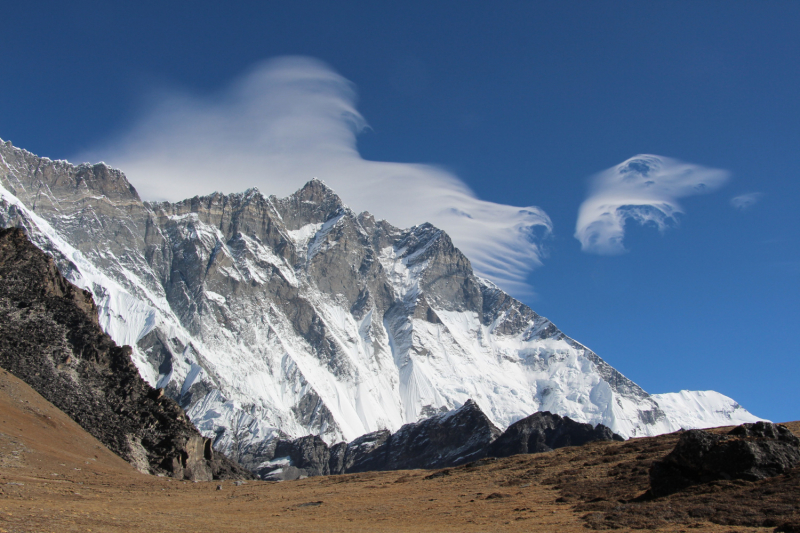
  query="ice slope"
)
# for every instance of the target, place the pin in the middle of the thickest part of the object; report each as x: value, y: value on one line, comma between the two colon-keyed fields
x: 267, y: 316
x: 702, y: 409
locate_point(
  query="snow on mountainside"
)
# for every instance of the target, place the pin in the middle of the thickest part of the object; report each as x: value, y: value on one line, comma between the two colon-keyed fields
x: 702, y: 409
x: 265, y: 316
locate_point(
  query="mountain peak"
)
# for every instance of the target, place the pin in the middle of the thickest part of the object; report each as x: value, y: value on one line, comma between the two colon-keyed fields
x: 317, y: 191
x: 313, y: 203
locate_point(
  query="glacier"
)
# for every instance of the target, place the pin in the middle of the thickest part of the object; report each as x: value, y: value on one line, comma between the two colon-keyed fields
x: 275, y: 317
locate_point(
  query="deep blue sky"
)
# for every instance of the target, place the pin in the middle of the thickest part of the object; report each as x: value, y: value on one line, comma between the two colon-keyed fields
x: 524, y: 101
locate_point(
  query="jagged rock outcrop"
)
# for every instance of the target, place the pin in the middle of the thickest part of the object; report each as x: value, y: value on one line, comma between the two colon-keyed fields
x: 449, y: 439
x: 304, y: 457
x: 50, y: 338
x: 750, y: 452
x: 345, y: 454
x: 544, y: 432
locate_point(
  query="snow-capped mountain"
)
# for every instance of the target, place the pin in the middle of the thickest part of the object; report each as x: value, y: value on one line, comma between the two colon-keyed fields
x: 265, y: 316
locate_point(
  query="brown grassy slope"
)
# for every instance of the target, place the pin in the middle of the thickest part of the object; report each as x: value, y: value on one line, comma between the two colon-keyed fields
x: 36, y: 438
x: 614, y: 496
x: 56, y: 477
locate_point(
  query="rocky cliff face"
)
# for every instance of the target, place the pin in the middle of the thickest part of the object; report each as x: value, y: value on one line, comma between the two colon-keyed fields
x: 544, y: 432
x: 51, y: 339
x: 447, y: 439
x: 267, y: 317
x: 450, y: 439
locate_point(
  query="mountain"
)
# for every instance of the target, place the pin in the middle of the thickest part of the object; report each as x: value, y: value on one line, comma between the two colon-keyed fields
x: 50, y: 338
x: 271, y: 317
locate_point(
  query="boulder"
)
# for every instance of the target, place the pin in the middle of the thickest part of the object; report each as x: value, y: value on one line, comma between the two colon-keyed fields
x: 750, y: 452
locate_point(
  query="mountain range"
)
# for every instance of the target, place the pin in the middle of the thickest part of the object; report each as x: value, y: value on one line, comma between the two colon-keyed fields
x: 274, y: 318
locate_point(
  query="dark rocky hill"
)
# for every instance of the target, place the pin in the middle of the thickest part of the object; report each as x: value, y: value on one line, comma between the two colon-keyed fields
x: 50, y: 338
x: 545, y: 431
x: 450, y: 439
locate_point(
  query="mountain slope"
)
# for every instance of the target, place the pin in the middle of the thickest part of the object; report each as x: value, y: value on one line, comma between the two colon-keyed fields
x: 50, y: 338
x: 265, y: 316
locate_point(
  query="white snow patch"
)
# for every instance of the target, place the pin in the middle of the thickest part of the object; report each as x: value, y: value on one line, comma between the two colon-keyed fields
x: 702, y: 409
x: 303, y: 235
x: 211, y: 295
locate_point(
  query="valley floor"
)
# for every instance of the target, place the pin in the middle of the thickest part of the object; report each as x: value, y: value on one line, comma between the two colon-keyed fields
x: 55, y: 477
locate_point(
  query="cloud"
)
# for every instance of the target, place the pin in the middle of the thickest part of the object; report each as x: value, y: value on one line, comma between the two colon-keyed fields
x: 290, y: 119
x: 645, y: 189
x: 744, y: 202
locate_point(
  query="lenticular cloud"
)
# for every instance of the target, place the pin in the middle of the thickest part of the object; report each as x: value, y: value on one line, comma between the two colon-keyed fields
x: 743, y: 202
x: 645, y: 188
x: 291, y: 119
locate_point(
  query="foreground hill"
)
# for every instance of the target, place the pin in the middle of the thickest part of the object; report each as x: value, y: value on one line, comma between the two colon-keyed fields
x: 50, y: 338
x: 267, y: 317
x: 56, y: 477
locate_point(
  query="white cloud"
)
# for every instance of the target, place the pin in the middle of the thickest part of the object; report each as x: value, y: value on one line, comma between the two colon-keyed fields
x: 291, y: 119
x: 645, y: 188
x: 746, y: 201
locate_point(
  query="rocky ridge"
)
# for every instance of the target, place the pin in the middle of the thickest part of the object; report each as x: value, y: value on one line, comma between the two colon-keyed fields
x: 51, y: 339
x: 544, y: 432
x: 268, y: 318
x: 462, y: 436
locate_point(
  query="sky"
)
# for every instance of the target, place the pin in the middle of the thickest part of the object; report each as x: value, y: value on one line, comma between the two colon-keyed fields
x: 628, y: 169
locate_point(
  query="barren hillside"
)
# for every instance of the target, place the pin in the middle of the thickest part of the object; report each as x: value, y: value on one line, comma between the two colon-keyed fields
x: 56, y: 477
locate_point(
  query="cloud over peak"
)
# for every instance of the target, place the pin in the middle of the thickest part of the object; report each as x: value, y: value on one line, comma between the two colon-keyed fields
x: 293, y: 118
x: 644, y: 189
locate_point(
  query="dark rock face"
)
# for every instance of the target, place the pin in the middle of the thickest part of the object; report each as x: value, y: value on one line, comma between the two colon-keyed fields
x: 51, y: 339
x: 354, y: 452
x: 750, y: 452
x: 309, y: 454
x: 449, y: 439
x: 444, y: 440
x: 544, y: 432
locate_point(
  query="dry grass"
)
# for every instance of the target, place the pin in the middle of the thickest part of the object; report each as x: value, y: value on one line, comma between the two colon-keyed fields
x: 55, y: 477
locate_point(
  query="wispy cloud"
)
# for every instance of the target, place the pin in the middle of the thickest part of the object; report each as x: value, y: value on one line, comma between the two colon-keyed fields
x: 744, y: 202
x: 291, y: 119
x: 645, y: 189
